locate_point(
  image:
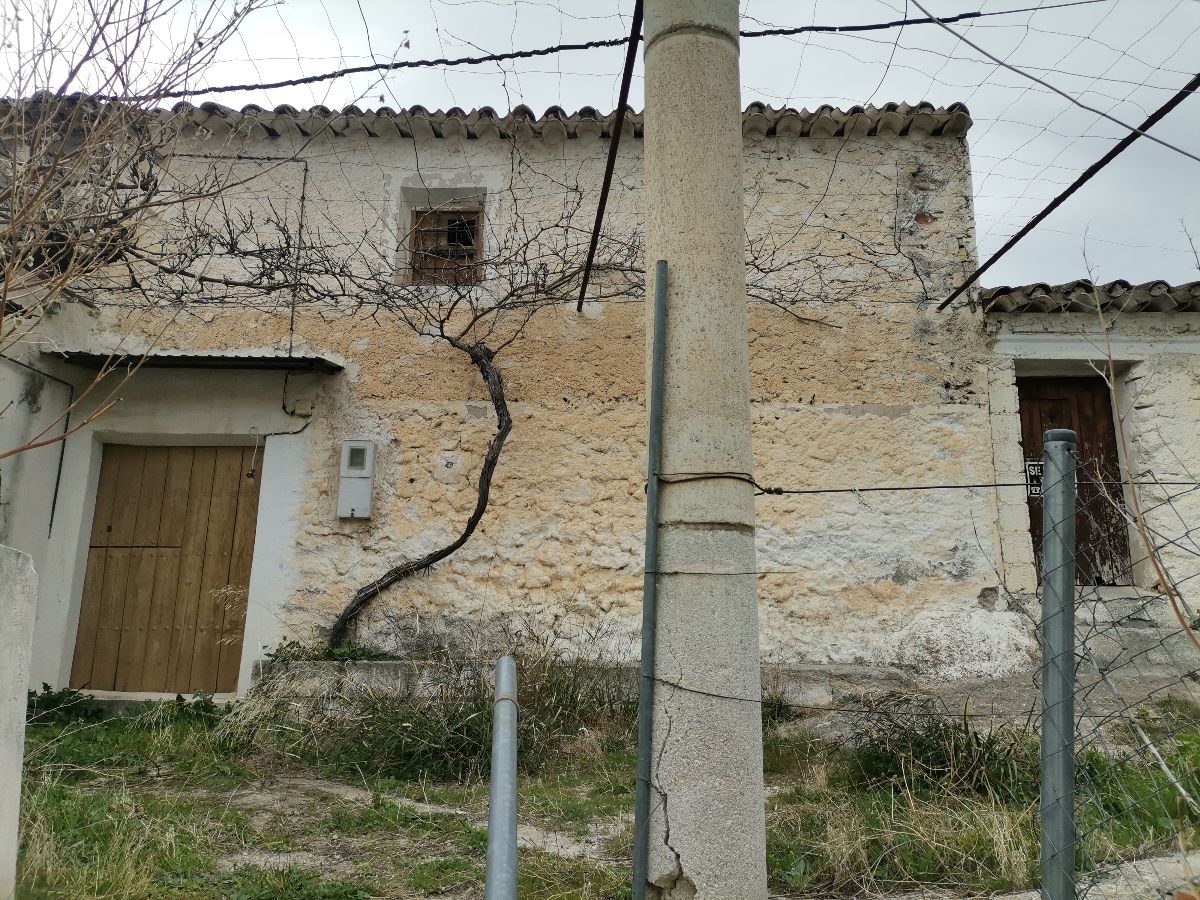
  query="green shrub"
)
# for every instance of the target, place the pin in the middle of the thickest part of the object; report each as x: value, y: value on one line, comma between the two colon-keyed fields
x: 439, y: 726
x: 918, y: 743
x: 776, y: 710
x: 59, y: 707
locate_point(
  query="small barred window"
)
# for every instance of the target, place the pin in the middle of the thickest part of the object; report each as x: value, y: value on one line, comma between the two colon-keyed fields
x: 447, y: 246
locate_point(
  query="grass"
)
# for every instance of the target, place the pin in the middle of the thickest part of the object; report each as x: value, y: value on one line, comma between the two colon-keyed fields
x: 439, y: 726
x: 174, y: 740
x: 591, y: 789
x: 107, y: 842
x: 883, y: 840
x: 162, y: 804
x: 255, y: 884
x: 919, y: 798
x: 181, y: 801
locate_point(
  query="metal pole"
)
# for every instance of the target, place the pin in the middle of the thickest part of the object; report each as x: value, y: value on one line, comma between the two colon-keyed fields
x: 641, y: 800
x: 501, y: 877
x: 1058, y: 666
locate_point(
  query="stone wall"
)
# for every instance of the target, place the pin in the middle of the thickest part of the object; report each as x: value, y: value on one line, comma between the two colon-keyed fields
x: 856, y: 381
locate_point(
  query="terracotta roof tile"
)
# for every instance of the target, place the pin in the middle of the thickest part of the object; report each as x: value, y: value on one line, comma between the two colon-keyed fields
x: 758, y: 120
x: 1083, y: 296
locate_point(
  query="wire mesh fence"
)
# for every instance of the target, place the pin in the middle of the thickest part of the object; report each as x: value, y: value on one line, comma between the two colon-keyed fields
x: 1135, y: 698
x: 1080, y: 782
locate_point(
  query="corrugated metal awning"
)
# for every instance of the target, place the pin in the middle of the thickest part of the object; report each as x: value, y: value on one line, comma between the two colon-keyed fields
x: 279, y: 360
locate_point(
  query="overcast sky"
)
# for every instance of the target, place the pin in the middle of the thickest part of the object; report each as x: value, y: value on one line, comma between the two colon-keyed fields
x: 1126, y: 57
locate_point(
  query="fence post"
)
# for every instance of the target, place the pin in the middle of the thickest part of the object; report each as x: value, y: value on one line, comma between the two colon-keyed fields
x: 1057, y: 801
x: 501, y: 877
x: 645, y: 735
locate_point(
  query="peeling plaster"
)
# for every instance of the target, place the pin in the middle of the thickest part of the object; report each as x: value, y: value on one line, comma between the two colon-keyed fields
x: 893, y: 395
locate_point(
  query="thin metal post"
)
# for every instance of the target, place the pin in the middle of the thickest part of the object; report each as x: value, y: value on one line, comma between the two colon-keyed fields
x: 641, y: 801
x: 1057, y: 799
x: 501, y: 877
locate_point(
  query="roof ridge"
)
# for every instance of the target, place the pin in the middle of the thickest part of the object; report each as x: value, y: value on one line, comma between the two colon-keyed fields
x: 758, y: 120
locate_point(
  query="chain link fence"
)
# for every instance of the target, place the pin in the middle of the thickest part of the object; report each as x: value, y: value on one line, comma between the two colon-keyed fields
x: 1121, y: 700
x: 1080, y: 782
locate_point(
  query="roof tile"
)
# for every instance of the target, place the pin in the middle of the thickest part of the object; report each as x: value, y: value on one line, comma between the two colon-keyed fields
x: 1083, y: 296
x: 758, y: 121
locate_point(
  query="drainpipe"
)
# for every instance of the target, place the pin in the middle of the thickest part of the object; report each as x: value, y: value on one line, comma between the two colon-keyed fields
x: 641, y: 807
x: 62, y: 444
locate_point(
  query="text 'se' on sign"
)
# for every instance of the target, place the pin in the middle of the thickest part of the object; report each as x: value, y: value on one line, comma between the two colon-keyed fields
x: 1034, y: 468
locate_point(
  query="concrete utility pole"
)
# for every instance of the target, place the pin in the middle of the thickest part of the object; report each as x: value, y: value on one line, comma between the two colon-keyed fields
x: 707, y: 821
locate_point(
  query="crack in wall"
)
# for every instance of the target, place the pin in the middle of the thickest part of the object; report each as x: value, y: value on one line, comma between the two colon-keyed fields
x: 674, y: 885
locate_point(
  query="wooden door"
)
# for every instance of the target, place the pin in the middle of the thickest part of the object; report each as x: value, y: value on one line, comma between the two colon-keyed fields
x: 1101, y: 533
x: 164, y: 598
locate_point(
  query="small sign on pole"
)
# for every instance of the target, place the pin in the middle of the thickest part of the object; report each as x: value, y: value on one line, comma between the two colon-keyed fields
x: 1033, y: 477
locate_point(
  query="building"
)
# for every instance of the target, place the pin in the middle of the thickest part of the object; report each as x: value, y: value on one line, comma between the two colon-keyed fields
x: 217, y: 508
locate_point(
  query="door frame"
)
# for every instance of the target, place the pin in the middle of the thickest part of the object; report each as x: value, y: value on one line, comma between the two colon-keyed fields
x: 163, y: 407
x: 1118, y: 532
x: 283, y: 457
x: 1051, y: 355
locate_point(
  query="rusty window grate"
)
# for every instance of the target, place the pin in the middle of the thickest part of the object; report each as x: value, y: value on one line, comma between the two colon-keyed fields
x: 447, y: 246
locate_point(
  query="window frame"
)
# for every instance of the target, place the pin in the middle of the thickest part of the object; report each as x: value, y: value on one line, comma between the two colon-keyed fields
x: 466, y: 263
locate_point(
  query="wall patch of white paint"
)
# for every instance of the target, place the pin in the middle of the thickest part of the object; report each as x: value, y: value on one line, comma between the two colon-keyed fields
x: 18, y: 601
x: 969, y: 642
x: 274, y: 576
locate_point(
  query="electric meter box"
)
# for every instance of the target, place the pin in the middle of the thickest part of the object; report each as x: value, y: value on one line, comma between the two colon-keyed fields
x: 357, y: 480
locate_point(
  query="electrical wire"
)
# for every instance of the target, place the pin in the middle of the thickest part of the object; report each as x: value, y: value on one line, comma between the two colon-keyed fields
x: 584, y: 45
x: 635, y: 33
x: 687, y: 477
x: 1071, y: 99
x: 1088, y: 173
x: 862, y: 710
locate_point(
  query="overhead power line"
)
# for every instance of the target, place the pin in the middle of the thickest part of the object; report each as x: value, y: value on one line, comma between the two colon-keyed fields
x: 760, y: 489
x: 1186, y: 91
x: 899, y: 23
x: 627, y: 77
x: 585, y: 45
x: 1068, y: 97
x: 635, y: 34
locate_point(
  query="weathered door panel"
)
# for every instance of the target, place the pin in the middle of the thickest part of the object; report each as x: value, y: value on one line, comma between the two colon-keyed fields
x: 164, y: 598
x: 1084, y: 405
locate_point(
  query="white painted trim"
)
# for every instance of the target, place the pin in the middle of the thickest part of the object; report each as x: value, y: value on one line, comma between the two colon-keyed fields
x: 163, y: 407
x: 1087, y: 352
x: 274, y: 574
x: 1089, y: 346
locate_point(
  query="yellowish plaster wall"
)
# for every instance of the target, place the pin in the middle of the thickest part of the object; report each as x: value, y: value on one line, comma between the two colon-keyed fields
x: 860, y: 384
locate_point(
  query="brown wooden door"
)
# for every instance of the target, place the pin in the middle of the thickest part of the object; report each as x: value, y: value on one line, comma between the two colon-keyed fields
x: 1084, y: 405
x: 164, y: 598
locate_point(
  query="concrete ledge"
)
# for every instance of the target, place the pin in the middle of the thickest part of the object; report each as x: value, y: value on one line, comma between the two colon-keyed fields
x: 120, y: 703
